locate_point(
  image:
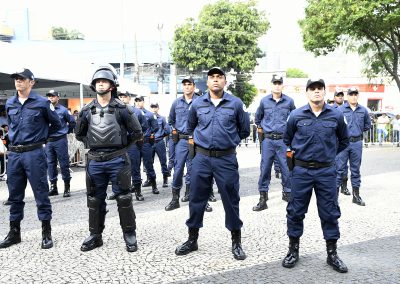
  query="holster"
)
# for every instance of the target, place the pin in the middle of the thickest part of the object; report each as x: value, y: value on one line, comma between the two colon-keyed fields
x: 290, y: 159
x: 191, y: 146
x: 139, y: 143
x: 152, y: 139
x: 175, y: 136
x: 260, y: 134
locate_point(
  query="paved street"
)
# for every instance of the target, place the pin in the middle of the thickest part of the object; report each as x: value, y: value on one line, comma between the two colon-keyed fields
x: 369, y: 244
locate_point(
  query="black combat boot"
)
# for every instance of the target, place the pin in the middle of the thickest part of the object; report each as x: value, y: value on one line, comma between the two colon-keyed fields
x: 14, y: 235
x: 165, y: 181
x: 356, y: 197
x: 154, y: 188
x: 47, y: 241
x: 262, y: 203
x: 174, y: 204
x: 185, y: 198
x: 67, y: 189
x: 293, y: 254
x: 96, y: 225
x: 53, y: 189
x: 333, y: 259
x: 146, y: 183
x: 237, y: 250
x: 343, y: 186
x: 127, y: 219
x: 286, y: 195
x: 190, y: 245
x: 212, y: 197
x: 137, y: 188
x: 208, y: 208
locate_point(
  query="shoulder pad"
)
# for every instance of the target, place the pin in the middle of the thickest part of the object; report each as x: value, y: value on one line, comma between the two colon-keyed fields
x: 117, y: 103
x: 88, y: 106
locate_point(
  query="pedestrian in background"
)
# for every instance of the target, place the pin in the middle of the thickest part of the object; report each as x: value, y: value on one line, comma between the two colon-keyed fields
x: 315, y: 134
x: 396, y: 129
x: 159, y: 145
x: 358, y: 121
x: 31, y: 118
x: 382, y: 122
x: 271, y: 116
x: 218, y: 123
x: 57, y: 147
x: 107, y: 126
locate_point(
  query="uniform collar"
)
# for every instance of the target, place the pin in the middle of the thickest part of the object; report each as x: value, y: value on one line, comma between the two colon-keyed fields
x: 272, y: 98
x: 325, y: 107
x: 32, y: 95
x: 225, y: 97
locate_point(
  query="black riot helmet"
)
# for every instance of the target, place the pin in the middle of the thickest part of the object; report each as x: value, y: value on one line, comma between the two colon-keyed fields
x: 107, y: 74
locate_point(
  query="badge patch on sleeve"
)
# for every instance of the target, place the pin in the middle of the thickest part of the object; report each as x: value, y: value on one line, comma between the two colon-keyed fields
x: 52, y: 107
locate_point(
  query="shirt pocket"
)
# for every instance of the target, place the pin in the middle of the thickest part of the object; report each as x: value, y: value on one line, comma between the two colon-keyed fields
x: 204, y: 115
x: 329, y: 128
x: 14, y: 115
x: 283, y: 114
x: 180, y: 113
x: 227, y: 116
x: 268, y: 113
x: 32, y: 115
x: 305, y: 127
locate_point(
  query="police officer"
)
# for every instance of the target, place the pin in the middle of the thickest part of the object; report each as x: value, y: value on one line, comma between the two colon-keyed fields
x: 148, y: 142
x: 57, y: 146
x: 358, y: 121
x: 107, y: 126
x: 315, y: 133
x: 159, y: 145
x: 338, y: 100
x: 29, y: 117
x: 271, y: 116
x: 134, y: 150
x: 177, y: 118
x: 218, y: 123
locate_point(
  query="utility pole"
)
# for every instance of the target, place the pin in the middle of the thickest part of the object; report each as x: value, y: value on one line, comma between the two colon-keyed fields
x: 136, y: 69
x: 160, y: 71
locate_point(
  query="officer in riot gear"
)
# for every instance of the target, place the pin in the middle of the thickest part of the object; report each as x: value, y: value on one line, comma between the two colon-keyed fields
x: 107, y: 127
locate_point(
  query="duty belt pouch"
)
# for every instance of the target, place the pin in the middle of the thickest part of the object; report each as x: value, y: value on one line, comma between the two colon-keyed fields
x: 152, y: 139
x: 260, y: 134
x: 290, y: 159
x: 191, y: 146
x: 175, y: 136
x: 139, y: 143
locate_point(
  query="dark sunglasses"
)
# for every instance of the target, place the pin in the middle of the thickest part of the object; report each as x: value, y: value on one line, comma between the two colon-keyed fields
x: 320, y: 88
x: 352, y: 94
x: 20, y: 78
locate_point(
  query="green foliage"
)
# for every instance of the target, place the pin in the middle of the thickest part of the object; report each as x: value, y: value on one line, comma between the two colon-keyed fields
x: 295, y: 73
x: 226, y: 35
x: 243, y: 89
x: 60, y: 33
x: 372, y: 28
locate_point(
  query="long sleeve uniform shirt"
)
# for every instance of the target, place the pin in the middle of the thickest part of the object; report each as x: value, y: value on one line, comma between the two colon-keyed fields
x: 357, y: 121
x: 179, y: 113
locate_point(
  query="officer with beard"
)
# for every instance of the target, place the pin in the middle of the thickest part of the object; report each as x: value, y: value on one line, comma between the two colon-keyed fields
x: 107, y: 126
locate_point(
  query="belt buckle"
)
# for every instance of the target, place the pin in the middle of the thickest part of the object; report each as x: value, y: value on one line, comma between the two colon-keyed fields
x: 275, y: 136
x: 213, y: 153
x: 18, y: 148
x: 312, y: 165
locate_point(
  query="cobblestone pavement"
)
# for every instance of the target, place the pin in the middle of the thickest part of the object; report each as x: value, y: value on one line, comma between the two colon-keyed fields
x: 369, y: 244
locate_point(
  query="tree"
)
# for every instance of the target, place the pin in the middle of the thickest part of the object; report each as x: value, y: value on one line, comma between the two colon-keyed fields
x: 60, y: 33
x: 372, y: 28
x: 226, y: 35
x: 295, y: 73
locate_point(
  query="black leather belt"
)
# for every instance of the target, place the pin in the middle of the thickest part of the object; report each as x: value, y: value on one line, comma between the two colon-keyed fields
x: 311, y: 164
x: 355, y: 139
x: 52, y: 139
x: 25, y: 148
x: 184, y: 136
x: 273, y: 135
x: 104, y: 156
x: 215, y: 153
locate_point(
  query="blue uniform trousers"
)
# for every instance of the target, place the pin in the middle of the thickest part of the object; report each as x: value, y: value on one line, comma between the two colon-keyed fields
x: 30, y: 166
x: 323, y: 182
x: 135, y: 155
x: 171, y: 154
x: 147, y: 154
x: 352, y: 154
x: 102, y: 172
x: 181, y: 158
x: 58, y: 150
x: 273, y: 149
x: 225, y: 172
x: 161, y: 151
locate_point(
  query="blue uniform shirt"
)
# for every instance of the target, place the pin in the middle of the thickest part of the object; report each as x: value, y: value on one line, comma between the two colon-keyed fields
x: 163, y: 128
x: 179, y: 113
x: 67, y: 121
x: 151, y: 121
x: 316, y: 138
x: 140, y: 116
x: 31, y: 122
x: 218, y: 127
x: 357, y: 121
x: 272, y: 115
